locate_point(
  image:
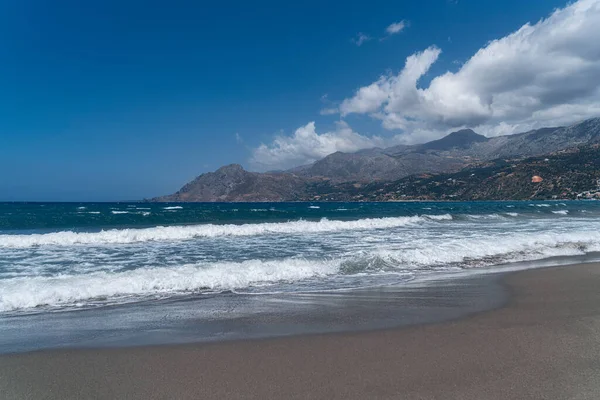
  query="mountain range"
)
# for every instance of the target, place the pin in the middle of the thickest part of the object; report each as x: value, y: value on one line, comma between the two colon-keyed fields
x: 339, y: 172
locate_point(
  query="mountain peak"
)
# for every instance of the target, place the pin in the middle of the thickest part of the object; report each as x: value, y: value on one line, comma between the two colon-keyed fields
x: 464, y: 133
x: 231, y: 168
x: 459, y: 139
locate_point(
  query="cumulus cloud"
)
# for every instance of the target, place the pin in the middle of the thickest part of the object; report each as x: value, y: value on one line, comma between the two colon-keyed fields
x: 360, y: 39
x: 390, y: 89
x: 306, y: 146
x: 396, y: 27
x: 547, y: 73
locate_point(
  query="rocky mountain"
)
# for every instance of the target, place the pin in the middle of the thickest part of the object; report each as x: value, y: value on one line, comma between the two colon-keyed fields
x: 462, y: 139
x: 567, y: 174
x: 449, y: 154
x: 395, y: 162
x: 233, y: 183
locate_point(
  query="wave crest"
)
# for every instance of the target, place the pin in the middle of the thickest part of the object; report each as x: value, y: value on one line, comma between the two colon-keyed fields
x: 172, y: 233
x: 110, y: 287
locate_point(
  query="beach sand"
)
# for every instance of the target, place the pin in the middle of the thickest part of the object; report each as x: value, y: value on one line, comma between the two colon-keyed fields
x: 544, y: 344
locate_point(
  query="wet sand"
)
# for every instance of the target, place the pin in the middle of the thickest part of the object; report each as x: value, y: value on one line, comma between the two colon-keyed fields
x: 543, y: 344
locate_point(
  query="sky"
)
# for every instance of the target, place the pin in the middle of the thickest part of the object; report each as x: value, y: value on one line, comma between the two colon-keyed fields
x: 124, y: 100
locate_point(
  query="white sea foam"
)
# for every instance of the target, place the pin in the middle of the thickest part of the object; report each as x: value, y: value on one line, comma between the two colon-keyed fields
x: 175, y: 233
x: 502, y: 248
x: 512, y: 214
x: 110, y: 286
x: 484, y: 216
x: 65, y: 290
x: 562, y: 212
x: 314, y: 207
x: 173, y: 208
x: 120, y: 212
x: 443, y: 217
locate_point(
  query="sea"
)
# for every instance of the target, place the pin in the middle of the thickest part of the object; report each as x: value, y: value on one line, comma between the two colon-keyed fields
x: 78, y: 257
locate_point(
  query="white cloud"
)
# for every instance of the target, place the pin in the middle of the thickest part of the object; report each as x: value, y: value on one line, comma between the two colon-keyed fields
x: 329, y: 111
x: 396, y: 27
x: 543, y: 74
x: 306, y: 146
x: 367, y: 99
x: 361, y: 38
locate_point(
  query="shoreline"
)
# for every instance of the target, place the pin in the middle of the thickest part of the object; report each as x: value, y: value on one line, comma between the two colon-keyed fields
x: 231, y: 317
x: 541, y: 344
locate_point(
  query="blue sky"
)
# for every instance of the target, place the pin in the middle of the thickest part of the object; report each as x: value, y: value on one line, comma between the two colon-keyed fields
x: 120, y: 100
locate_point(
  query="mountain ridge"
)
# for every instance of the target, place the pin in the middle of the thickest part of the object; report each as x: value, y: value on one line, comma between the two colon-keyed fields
x: 450, y: 154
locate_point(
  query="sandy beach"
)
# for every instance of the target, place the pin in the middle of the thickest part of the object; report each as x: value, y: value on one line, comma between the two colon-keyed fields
x: 542, y: 345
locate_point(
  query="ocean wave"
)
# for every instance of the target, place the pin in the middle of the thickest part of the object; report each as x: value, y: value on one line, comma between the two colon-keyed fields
x: 102, y: 287
x: 493, y: 249
x: 173, y: 208
x: 174, y: 233
x: 70, y: 289
x: 484, y: 216
x: 561, y: 212
x: 443, y: 217
x: 120, y: 212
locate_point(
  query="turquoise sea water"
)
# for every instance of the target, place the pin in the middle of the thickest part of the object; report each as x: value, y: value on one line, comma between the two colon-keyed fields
x: 58, y: 256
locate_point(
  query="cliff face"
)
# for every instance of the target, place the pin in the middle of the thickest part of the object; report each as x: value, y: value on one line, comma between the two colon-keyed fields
x: 340, y: 172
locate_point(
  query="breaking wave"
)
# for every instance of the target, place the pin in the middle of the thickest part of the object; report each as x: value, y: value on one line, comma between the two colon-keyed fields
x: 71, y: 289
x: 172, y: 233
x: 103, y: 286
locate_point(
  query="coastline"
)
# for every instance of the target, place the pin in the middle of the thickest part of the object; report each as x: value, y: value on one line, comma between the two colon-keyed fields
x: 542, y: 343
x: 222, y: 317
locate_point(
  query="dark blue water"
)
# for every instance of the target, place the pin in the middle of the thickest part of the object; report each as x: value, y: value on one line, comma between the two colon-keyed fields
x: 95, y: 216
